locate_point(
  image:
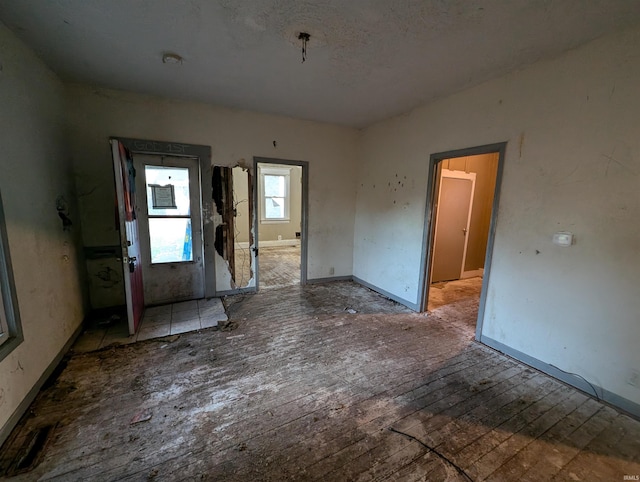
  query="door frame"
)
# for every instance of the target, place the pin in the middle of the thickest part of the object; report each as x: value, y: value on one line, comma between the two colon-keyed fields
x: 429, y: 225
x: 203, y: 154
x: 304, y: 214
x: 129, y: 236
x: 467, y: 176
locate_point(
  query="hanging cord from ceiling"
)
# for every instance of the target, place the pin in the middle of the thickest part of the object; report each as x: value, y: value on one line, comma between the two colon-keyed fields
x: 304, y: 37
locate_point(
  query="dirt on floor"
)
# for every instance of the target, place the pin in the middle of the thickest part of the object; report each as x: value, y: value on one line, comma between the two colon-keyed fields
x: 325, y: 382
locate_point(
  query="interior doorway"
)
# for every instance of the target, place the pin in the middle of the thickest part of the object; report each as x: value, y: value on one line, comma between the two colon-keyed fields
x: 280, y: 222
x: 461, y: 212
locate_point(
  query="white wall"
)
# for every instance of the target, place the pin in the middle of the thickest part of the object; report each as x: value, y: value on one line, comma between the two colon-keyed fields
x: 35, y: 171
x: 572, y: 163
x: 235, y: 136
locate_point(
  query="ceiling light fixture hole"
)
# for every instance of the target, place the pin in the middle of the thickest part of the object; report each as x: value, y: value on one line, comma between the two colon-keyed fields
x: 304, y: 38
x: 171, y: 58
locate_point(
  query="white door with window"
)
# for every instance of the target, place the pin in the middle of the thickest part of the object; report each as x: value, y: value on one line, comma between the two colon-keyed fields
x: 170, y: 222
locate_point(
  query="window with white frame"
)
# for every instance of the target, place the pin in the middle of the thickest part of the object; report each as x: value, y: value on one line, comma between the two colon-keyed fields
x: 275, y: 192
x: 10, y: 329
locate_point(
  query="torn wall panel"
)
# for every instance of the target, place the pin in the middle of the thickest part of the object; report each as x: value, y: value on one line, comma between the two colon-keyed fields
x: 235, y: 258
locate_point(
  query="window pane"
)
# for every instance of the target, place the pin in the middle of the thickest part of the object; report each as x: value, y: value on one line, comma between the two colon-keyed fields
x: 163, y: 178
x: 170, y: 240
x: 274, y: 207
x: 274, y: 186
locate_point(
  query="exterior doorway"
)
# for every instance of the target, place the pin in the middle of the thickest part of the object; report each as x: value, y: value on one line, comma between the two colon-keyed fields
x: 459, y: 230
x: 160, y: 203
x: 170, y: 222
x: 280, y: 222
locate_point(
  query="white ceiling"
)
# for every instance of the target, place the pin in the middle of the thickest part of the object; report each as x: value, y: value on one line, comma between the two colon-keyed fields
x: 367, y: 59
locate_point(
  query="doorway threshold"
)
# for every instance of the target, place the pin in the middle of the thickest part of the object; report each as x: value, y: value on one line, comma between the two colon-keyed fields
x: 110, y: 328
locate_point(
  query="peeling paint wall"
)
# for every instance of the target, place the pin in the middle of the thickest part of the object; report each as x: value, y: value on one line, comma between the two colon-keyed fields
x: 241, y: 195
x: 94, y: 114
x: 46, y: 260
x: 572, y: 163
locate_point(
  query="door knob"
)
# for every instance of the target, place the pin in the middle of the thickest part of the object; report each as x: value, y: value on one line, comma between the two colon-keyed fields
x: 464, y: 231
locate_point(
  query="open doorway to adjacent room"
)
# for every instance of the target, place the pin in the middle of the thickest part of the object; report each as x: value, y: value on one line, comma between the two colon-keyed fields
x: 280, y: 222
x: 464, y: 187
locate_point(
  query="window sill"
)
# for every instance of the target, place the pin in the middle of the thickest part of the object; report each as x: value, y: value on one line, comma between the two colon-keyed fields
x: 275, y: 221
x: 9, y: 344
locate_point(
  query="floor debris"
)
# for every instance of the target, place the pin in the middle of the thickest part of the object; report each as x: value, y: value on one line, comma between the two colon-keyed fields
x: 310, y: 401
x: 141, y: 416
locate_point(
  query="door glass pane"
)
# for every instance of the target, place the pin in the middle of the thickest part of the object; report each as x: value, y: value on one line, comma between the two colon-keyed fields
x: 167, y: 190
x: 170, y: 240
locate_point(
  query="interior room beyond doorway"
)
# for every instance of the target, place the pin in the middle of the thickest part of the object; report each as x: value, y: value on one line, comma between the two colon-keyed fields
x: 463, y: 204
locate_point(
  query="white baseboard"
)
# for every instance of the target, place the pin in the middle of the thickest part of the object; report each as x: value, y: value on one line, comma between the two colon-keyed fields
x: 272, y: 244
x: 472, y: 274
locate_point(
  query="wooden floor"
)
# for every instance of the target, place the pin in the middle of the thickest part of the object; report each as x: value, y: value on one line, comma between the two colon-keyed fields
x: 279, y: 267
x: 302, y: 389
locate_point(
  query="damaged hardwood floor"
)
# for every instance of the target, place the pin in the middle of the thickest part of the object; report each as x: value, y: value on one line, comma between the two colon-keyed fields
x: 302, y: 389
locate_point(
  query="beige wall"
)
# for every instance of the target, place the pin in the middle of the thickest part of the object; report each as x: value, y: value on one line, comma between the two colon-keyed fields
x: 94, y: 114
x: 35, y: 171
x: 485, y: 166
x: 242, y: 200
x: 572, y: 164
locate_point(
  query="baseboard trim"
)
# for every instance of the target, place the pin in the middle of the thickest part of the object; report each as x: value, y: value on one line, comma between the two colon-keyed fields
x: 472, y: 274
x: 271, y: 244
x: 397, y: 299
x: 329, y: 279
x: 629, y: 407
x: 237, y: 291
x: 7, y: 428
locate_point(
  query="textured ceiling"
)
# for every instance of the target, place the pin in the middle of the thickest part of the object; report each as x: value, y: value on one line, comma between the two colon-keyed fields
x: 367, y: 59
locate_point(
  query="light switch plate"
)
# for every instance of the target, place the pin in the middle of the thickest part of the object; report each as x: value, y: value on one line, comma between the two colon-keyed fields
x: 563, y: 238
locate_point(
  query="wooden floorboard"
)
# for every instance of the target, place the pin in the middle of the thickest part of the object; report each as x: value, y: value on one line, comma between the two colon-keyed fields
x: 301, y: 389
